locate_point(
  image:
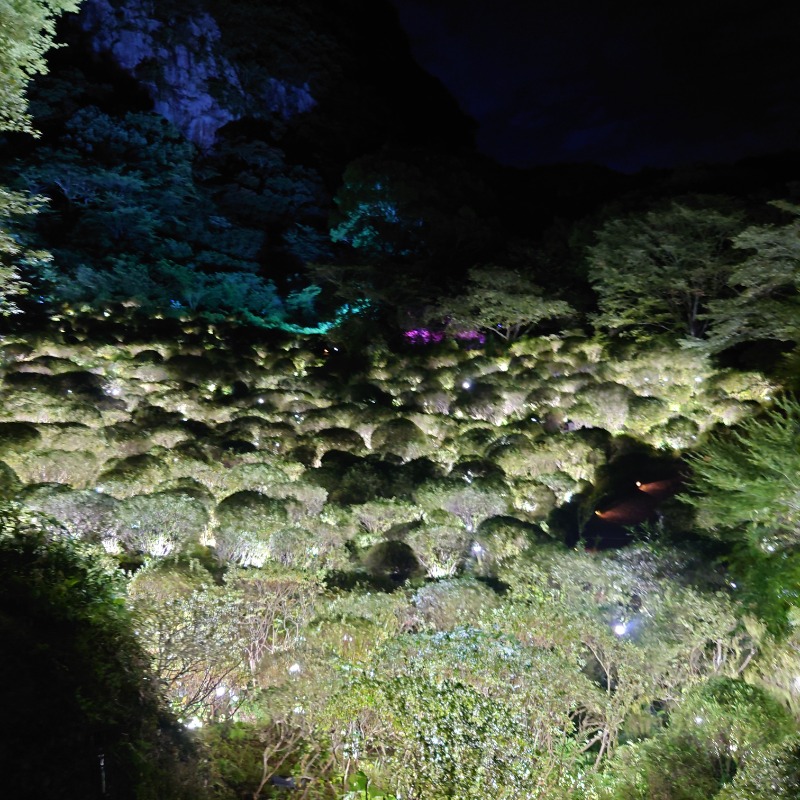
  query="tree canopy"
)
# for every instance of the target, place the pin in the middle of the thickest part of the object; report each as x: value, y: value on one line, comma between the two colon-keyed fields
x: 746, y: 481
x: 655, y: 272
x: 27, y: 31
x: 765, y: 287
x: 501, y: 301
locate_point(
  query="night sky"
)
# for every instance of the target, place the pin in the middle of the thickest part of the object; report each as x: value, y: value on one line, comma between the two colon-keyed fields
x: 625, y: 84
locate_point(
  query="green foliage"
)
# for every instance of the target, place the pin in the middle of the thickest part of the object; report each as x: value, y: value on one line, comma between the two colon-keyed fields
x: 768, y: 583
x: 9, y: 482
x: 234, y: 753
x: 87, y: 515
x: 81, y: 684
x: 440, y: 547
x: 508, y: 668
x: 190, y: 629
x: 447, y: 604
x: 361, y: 789
x: 672, y: 637
x: 656, y: 272
x: 766, y: 287
x: 441, y: 740
x: 259, y: 188
x: 140, y: 229
x: 470, y: 503
x: 133, y: 225
x: 17, y: 261
x: 520, y: 632
x: 501, y: 301
x: 275, y: 606
x: 771, y: 773
x: 746, y: 482
x: 161, y: 523
x: 714, y: 736
x: 245, y: 522
x: 401, y: 437
x: 27, y: 30
x: 378, y: 209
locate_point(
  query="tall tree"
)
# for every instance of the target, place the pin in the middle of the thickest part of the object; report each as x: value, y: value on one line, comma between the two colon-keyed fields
x: 414, y: 207
x: 14, y: 255
x: 655, y: 272
x: 746, y: 482
x: 501, y: 301
x: 27, y: 31
x: 765, y: 287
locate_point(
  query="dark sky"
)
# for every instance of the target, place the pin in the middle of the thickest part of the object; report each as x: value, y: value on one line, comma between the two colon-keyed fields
x: 626, y: 83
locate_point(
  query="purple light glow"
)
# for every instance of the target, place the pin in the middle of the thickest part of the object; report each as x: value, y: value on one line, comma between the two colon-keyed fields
x: 473, y: 337
x: 424, y: 336
x: 427, y: 336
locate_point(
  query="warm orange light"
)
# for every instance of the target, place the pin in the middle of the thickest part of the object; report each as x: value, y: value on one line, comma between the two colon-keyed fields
x: 656, y: 487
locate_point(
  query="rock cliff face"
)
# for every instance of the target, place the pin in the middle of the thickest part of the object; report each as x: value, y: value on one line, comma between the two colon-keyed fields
x: 180, y: 62
x: 326, y: 80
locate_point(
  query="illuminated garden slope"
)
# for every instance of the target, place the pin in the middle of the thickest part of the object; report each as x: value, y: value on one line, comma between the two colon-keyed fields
x: 365, y: 567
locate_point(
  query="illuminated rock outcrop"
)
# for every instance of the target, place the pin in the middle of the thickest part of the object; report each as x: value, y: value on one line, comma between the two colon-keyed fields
x: 182, y: 65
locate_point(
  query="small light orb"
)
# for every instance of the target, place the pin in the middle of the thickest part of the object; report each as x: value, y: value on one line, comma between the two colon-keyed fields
x: 620, y: 628
x: 220, y: 691
x: 294, y: 669
x: 466, y: 384
x: 698, y: 720
x: 477, y: 549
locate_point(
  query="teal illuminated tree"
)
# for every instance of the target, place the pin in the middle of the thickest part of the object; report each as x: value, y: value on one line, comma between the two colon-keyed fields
x: 413, y: 207
x: 381, y: 208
